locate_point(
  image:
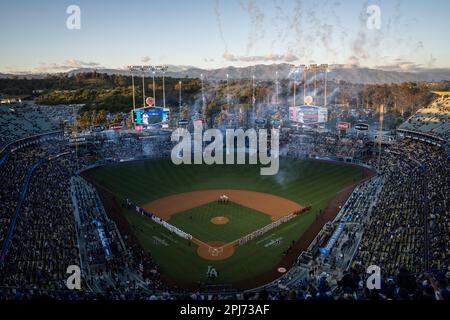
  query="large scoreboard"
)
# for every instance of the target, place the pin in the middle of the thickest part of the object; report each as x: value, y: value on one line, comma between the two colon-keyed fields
x: 308, y: 114
x: 150, y: 116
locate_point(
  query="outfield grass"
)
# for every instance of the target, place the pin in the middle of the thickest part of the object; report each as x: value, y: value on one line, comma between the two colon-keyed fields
x: 242, y: 221
x: 305, y: 182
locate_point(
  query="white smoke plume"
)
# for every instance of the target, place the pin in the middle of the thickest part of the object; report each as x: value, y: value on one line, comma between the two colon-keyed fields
x: 219, y: 24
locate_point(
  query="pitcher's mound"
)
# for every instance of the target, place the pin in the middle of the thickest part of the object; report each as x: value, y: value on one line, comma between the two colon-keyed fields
x: 219, y: 220
x: 215, y: 250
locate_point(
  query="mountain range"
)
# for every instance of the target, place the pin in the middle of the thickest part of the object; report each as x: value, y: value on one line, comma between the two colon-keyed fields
x: 267, y: 72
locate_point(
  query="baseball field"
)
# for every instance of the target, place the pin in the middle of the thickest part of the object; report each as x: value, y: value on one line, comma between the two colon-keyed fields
x: 187, y: 197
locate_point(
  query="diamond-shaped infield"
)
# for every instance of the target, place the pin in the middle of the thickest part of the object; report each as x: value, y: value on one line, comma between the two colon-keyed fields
x: 216, y: 221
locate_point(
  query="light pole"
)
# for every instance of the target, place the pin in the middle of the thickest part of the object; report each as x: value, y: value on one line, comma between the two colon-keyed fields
x: 179, y: 83
x: 305, y: 78
x: 276, y: 87
x: 154, y: 95
x: 164, y: 90
x: 315, y: 82
x: 132, y: 85
x: 228, y: 92
x: 295, y: 93
x: 380, y: 134
x: 143, y: 86
x: 253, y: 91
x: 324, y: 67
x: 203, y: 96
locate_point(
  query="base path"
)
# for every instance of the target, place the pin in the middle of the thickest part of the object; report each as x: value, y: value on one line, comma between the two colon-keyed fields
x: 274, y: 206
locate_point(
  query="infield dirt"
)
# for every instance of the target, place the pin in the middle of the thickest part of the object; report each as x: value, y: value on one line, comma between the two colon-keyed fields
x: 274, y: 206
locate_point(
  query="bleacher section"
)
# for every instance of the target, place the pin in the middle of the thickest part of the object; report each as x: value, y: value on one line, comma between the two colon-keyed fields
x: 431, y: 123
x: 21, y: 121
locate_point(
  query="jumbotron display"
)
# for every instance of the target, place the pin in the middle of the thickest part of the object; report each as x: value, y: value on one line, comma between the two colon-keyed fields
x: 308, y: 114
x: 150, y: 116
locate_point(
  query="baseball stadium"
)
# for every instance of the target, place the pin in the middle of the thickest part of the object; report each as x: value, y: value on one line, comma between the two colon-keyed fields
x: 113, y: 205
x: 220, y: 155
x: 244, y: 226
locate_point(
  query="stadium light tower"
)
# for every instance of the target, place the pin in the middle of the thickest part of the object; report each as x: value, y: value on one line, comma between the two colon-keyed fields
x: 314, y: 68
x: 380, y: 134
x: 163, y: 69
x: 132, y: 85
x: 305, y: 71
x: 295, y: 86
x: 276, y: 88
x: 143, y: 86
x: 203, y: 95
x: 153, y: 77
x: 228, y: 92
x: 164, y: 88
x: 253, y: 92
x: 179, y: 83
x: 324, y: 68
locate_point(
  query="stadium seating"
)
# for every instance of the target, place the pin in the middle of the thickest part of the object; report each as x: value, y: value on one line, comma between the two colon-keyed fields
x: 398, y: 220
x: 433, y: 120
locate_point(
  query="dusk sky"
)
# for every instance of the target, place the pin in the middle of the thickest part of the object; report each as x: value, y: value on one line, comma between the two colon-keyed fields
x: 216, y: 33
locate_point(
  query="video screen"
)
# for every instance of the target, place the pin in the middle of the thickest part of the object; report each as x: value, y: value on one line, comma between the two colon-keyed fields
x: 308, y: 114
x: 150, y: 116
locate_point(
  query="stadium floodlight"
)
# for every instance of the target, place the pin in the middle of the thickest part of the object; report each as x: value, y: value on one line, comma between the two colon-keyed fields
x: 143, y: 85
x: 228, y: 92
x: 164, y: 88
x: 179, y: 83
x: 253, y: 92
x: 153, y: 79
x: 161, y: 68
x: 313, y: 68
x: 276, y: 87
x: 132, y: 85
x: 324, y: 68
x: 295, y: 86
x: 203, y: 95
x: 380, y: 134
x: 305, y: 70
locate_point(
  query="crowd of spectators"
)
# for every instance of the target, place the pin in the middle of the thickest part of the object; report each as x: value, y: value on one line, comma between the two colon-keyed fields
x: 43, y: 243
x: 23, y: 120
x: 326, y: 144
x: 58, y: 226
x: 409, y: 225
x: 433, y: 120
x: 110, y: 266
x: 405, y: 233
